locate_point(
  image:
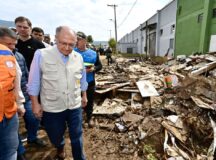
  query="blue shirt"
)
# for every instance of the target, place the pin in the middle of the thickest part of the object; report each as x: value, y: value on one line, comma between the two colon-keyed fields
x: 35, y: 74
x: 89, y: 56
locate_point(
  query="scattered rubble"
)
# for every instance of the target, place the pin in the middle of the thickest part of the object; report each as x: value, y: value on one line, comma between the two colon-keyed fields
x: 156, y: 118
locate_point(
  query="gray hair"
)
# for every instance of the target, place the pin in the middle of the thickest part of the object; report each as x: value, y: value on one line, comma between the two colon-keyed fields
x: 6, y: 32
x: 60, y: 28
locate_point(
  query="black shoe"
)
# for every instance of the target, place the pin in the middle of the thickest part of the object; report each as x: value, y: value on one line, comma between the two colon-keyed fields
x: 37, y: 142
x: 60, y: 155
x: 21, y: 157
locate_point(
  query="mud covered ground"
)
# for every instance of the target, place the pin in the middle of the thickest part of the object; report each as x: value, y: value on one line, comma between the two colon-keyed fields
x: 98, y: 145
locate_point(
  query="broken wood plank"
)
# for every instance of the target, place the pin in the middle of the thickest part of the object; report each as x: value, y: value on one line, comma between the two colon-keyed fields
x: 204, y: 69
x: 115, y: 86
x: 210, y: 58
x: 201, y: 104
x: 128, y: 90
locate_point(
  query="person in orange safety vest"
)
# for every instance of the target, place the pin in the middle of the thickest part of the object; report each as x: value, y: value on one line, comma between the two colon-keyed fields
x: 11, y: 100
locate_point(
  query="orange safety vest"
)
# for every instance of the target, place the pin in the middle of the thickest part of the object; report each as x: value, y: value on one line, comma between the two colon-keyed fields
x: 8, y: 105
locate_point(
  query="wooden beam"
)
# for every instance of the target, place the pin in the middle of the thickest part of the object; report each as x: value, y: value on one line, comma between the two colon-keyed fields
x: 128, y: 90
x: 204, y: 69
x: 115, y: 86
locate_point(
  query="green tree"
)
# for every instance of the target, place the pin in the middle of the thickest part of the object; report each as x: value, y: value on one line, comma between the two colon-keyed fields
x: 90, y: 39
x: 112, y: 44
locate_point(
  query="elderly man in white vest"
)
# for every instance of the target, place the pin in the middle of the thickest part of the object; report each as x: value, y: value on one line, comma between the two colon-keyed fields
x: 59, y: 75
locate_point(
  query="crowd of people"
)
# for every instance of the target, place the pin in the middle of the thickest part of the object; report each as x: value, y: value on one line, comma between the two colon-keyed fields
x: 48, y: 85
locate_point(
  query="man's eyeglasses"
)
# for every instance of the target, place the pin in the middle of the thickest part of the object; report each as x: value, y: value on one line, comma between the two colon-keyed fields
x: 72, y: 45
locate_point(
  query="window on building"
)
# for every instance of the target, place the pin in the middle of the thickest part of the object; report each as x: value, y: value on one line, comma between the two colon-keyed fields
x: 171, y: 45
x: 161, y: 32
x: 200, y: 18
x: 214, y: 13
x: 172, y: 30
x: 129, y: 50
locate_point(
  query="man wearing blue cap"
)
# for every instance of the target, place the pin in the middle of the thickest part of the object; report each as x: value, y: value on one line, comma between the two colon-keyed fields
x: 93, y: 65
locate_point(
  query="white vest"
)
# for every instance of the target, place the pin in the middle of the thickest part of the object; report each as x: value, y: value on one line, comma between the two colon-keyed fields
x: 60, y: 83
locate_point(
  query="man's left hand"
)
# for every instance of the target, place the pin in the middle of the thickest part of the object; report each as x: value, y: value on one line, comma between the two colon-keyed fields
x: 21, y: 111
x: 90, y: 69
x: 84, y: 101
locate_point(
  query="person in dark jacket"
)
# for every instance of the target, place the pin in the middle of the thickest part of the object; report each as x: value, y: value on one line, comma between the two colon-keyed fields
x: 93, y: 64
x: 108, y: 53
x: 24, y: 79
x: 31, y: 122
x: 27, y: 45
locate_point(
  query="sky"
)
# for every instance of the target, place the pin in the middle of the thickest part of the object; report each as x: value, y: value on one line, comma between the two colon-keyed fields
x: 93, y: 17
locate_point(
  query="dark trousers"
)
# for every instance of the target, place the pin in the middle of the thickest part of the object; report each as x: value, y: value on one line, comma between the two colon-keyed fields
x: 55, y: 125
x: 109, y: 60
x: 90, y: 96
x: 31, y: 124
x: 9, y: 138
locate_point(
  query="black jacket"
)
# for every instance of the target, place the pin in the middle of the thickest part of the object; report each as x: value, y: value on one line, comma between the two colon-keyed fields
x: 24, y: 80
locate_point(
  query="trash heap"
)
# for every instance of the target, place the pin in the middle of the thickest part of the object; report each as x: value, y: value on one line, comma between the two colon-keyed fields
x: 156, y: 110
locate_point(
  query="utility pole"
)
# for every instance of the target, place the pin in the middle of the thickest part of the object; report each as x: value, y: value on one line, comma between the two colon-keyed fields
x: 114, y: 6
x: 110, y: 31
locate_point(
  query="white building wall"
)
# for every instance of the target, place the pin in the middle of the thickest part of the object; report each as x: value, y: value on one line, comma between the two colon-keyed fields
x: 137, y: 39
x: 143, y: 38
x: 143, y: 45
x: 125, y: 47
x: 165, y: 19
x: 152, y: 20
x: 166, y: 25
x: 127, y: 42
x: 151, y: 30
x: 130, y: 37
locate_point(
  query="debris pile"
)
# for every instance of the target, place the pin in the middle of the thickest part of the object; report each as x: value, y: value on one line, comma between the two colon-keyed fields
x: 159, y: 111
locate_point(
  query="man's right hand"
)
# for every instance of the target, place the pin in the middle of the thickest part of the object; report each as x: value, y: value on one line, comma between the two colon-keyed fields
x: 37, y: 110
x: 36, y: 107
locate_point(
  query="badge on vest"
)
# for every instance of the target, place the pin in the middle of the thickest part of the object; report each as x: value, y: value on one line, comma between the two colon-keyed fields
x: 78, y: 82
x: 9, y: 64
